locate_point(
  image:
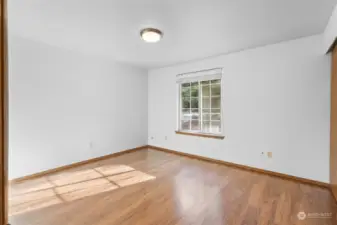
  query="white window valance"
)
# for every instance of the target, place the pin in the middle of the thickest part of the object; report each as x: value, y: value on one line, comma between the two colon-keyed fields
x: 201, y: 75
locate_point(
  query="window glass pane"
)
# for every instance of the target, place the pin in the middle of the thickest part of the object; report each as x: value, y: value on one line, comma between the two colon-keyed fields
x: 210, y: 106
x: 195, y: 125
x: 206, y: 117
x: 195, y: 114
x: 195, y: 84
x: 205, y: 103
x: 215, y: 117
x: 195, y: 91
x: 206, y: 128
x: 205, y: 82
x: 216, y: 110
x: 194, y: 102
x: 206, y: 110
x: 185, y: 92
x: 216, y: 102
x: 186, y: 114
x: 216, y: 126
x: 185, y: 103
x: 185, y: 125
x: 215, y: 90
x: 205, y: 90
x: 215, y: 81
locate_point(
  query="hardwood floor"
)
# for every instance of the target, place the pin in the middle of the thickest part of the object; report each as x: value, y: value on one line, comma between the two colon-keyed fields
x: 150, y: 187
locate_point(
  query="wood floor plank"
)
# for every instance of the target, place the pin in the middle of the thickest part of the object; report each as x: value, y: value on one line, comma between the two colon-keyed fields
x: 149, y: 187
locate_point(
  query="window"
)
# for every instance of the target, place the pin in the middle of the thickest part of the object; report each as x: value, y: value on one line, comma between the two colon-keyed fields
x: 200, y: 105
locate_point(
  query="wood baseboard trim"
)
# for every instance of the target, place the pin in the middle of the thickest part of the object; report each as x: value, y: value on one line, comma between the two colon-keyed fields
x: 271, y: 173
x: 66, y: 167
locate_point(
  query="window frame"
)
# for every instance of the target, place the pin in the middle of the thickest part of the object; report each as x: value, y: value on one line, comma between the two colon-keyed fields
x: 200, y: 132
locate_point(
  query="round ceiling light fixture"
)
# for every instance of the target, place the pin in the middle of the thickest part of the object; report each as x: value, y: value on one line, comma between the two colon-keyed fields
x: 151, y: 35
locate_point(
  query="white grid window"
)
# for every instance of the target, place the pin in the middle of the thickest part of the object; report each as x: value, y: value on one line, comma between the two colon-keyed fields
x: 200, y: 106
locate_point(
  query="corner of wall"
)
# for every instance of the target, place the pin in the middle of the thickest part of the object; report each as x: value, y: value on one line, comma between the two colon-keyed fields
x: 330, y: 32
x: 148, y: 110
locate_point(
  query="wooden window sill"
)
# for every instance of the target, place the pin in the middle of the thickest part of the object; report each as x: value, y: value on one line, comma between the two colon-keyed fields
x: 201, y: 135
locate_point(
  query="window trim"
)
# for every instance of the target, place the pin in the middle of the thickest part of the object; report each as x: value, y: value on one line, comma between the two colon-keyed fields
x: 200, y: 134
x: 219, y: 135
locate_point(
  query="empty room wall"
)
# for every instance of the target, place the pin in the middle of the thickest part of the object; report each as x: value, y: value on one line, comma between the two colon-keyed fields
x: 277, y: 99
x: 66, y: 107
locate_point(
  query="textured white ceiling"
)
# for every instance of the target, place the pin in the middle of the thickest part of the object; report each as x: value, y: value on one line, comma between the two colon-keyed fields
x: 192, y: 29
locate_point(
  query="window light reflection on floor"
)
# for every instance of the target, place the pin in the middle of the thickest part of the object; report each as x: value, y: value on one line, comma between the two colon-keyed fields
x: 72, y: 185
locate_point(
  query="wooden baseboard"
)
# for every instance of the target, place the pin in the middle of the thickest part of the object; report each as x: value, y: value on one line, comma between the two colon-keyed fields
x: 271, y: 173
x: 62, y: 168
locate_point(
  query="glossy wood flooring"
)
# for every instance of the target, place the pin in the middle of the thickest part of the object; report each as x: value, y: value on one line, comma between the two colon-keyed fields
x: 150, y: 187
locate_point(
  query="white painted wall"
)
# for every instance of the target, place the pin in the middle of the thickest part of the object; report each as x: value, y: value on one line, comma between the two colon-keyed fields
x: 66, y: 107
x: 277, y: 98
x: 330, y: 33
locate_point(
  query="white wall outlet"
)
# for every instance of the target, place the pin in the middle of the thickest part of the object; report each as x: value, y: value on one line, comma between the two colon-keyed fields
x: 166, y: 138
x: 270, y: 154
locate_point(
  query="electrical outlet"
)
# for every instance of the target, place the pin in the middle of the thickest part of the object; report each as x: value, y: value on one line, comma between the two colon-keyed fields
x: 166, y: 138
x: 91, y: 144
x: 270, y: 155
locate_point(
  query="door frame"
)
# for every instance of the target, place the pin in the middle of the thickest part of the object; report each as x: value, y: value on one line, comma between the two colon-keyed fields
x: 333, y: 124
x: 3, y: 116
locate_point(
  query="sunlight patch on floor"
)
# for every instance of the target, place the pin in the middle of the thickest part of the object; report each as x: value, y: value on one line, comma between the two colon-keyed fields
x: 32, y: 201
x: 71, y: 185
x: 72, y: 177
x: 84, y: 189
x: 130, y: 178
x: 108, y: 170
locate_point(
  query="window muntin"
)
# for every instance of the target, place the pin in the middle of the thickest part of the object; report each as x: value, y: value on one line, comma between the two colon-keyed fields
x: 200, y: 106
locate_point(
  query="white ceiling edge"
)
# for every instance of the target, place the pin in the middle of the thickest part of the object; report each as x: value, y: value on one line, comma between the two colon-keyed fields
x: 326, y: 44
x: 319, y: 51
x: 328, y: 37
x: 241, y: 50
x: 330, y: 33
x: 12, y: 34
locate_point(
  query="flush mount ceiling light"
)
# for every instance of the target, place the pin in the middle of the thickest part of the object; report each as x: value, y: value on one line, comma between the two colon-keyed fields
x: 151, y: 35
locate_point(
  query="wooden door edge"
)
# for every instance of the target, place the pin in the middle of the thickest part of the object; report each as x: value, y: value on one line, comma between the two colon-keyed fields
x: 3, y: 114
